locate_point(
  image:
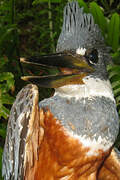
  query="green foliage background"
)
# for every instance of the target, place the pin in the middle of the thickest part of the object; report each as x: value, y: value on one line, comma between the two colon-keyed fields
x: 31, y: 27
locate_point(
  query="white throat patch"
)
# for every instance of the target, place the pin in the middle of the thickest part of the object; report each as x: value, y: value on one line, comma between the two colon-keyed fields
x: 92, y: 87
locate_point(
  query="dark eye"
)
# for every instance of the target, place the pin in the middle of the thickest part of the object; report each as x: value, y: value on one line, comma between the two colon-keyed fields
x: 92, y: 56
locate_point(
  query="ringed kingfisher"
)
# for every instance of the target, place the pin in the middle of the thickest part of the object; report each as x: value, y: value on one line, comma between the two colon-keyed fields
x: 71, y: 135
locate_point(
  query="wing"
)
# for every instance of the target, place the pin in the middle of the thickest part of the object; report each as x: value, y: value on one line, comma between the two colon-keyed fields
x: 24, y: 135
x: 111, y: 167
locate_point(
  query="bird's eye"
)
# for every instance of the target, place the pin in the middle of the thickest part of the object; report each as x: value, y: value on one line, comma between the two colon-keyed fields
x: 92, y: 56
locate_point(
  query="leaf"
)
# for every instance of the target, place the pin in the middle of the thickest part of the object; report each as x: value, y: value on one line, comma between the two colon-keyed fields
x: 7, y: 32
x: 3, y: 130
x: 1, y: 152
x: 35, y: 2
x: 114, y: 75
x: 116, y: 84
x: 113, y: 68
x: 83, y: 4
x: 116, y: 57
x: 118, y: 99
x: 8, y: 77
x: 111, y: 1
x: 7, y: 99
x: 4, y: 112
x: 105, y: 4
x: 3, y: 61
x: 98, y: 16
x: 114, y: 31
x: 6, y: 84
x: 117, y: 91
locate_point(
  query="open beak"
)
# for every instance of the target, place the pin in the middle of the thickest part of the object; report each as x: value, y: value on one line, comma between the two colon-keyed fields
x: 72, y: 69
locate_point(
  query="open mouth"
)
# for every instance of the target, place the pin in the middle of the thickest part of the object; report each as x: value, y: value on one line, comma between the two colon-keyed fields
x: 72, y: 68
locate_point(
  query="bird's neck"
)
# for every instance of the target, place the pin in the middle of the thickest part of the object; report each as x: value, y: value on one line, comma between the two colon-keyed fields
x: 91, y: 88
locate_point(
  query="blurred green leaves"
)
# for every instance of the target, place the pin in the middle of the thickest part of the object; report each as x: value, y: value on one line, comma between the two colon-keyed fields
x: 8, y: 48
x: 82, y: 4
x: 2, y: 130
x: 114, y: 32
x: 1, y: 151
x: 6, y: 88
x: 35, y: 2
x: 6, y: 85
x: 114, y: 75
x: 98, y: 15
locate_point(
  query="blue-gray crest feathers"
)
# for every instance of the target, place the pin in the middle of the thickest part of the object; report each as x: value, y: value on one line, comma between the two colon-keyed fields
x: 79, y: 29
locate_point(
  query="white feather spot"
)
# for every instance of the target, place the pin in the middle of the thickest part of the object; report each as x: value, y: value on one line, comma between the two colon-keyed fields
x: 81, y: 51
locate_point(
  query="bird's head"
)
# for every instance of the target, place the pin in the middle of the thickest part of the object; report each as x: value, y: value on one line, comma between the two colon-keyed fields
x: 80, y: 54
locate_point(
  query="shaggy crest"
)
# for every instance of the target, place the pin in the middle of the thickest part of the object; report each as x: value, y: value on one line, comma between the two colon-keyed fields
x: 79, y: 29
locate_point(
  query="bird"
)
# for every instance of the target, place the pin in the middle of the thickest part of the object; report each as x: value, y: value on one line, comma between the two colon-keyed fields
x: 71, y: 135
